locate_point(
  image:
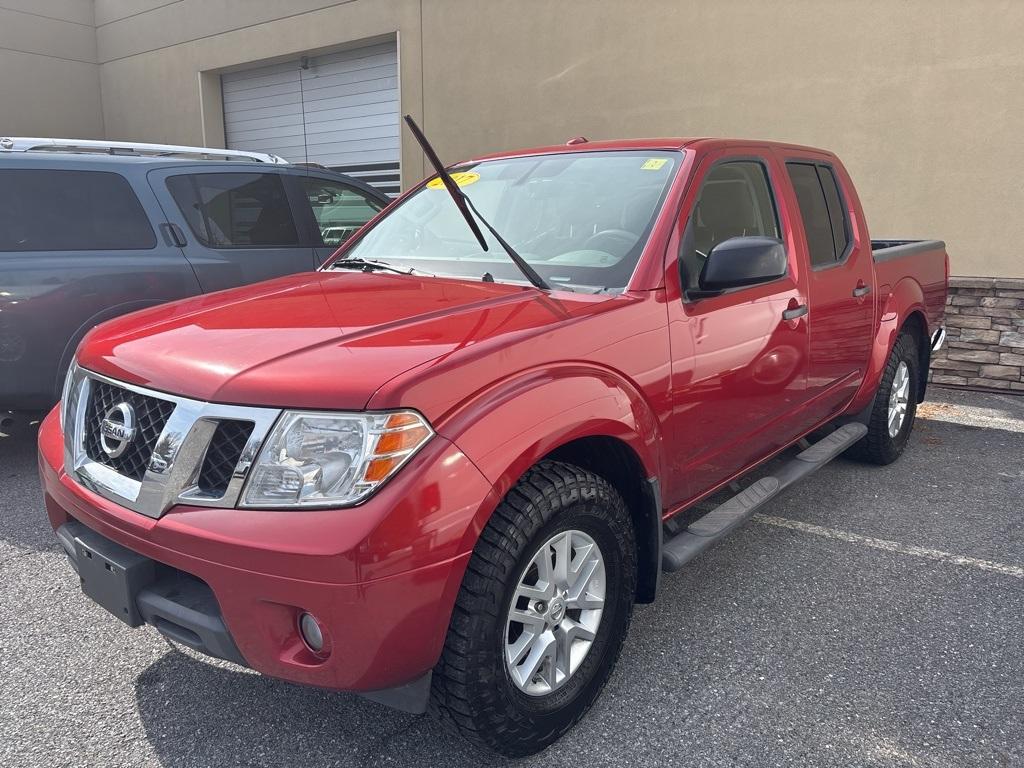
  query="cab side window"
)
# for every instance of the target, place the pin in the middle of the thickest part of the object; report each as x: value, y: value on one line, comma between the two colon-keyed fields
x: 339, y: 210
x: 836, y: 210
x: 735, y: 201
x: 825, y: 220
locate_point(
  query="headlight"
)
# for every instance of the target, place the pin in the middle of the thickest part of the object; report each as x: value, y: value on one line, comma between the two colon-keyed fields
x: 66, y: 392
x: 332, y: 459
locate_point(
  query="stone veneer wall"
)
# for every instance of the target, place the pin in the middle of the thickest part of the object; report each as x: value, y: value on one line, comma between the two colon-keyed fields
x: 984, y: 346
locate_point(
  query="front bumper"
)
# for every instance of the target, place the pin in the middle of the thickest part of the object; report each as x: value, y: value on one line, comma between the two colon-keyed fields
x: 141, y: 591
x: 380, y: 578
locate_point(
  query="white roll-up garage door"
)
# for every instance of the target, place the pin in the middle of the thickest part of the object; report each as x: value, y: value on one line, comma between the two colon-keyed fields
x: 341, y: 111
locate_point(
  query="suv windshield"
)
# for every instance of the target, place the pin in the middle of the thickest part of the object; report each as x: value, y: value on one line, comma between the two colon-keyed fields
x: 580, y: 219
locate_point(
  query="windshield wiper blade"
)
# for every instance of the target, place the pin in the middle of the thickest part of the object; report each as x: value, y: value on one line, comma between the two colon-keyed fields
x: 366, y: 265
x: 464, y: 204
x: 524, y: 267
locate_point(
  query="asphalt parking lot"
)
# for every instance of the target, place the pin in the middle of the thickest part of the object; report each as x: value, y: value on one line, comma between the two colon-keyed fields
x: 869, y: 617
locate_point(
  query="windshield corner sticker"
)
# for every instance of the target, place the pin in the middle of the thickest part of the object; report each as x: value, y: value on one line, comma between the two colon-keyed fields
x: 654, y: 164
x: 462, y: 178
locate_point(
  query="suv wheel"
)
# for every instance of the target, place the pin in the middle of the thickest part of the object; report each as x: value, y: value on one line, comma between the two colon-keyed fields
x: 544, y: 608
x: 892, y: 415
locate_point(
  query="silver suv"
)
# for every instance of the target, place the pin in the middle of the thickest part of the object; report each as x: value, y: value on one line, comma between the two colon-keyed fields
x: 93, y: 230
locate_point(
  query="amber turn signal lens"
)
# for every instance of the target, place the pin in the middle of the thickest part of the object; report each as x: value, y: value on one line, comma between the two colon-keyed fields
x: 394, y: 442
x: 401, y: 420
x: 378, y: 469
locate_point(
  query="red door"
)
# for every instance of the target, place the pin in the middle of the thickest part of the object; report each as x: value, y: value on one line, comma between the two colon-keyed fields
x: 738, y: 359
x: 840, y: 281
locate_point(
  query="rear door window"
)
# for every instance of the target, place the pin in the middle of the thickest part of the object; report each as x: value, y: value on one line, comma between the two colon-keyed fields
x: 63, y: 210
x: 235, y: 210
x: 836, y: 210
x: 821, y: 207
x: 339, y: 210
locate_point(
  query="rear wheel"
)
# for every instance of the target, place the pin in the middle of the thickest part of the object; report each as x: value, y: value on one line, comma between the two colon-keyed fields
x: 544, y: 607
x: 892, y: 414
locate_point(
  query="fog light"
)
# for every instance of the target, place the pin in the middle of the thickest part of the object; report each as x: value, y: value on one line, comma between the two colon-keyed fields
x: 311, y: 632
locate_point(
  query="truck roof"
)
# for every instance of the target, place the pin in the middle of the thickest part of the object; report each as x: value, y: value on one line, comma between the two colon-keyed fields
x: 665, y: 143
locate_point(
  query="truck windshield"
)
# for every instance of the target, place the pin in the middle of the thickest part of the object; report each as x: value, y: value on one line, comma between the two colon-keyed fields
x: 580, y: 219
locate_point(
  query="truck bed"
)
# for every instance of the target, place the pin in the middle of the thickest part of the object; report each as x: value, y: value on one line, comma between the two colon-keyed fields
x: 884, y: 250
x: 922, y: 261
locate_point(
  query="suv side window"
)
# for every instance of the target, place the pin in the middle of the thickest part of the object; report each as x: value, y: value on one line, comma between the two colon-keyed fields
x: 51, y: 210
x: 235, y: 210
x: 339, y: 209
x: 735, y: 201
x: 822, y: 211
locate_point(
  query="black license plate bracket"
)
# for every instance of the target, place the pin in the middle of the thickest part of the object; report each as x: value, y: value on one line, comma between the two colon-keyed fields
x: 112, y: 576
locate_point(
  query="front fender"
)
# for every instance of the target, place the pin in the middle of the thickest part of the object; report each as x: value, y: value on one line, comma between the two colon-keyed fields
x: 509, y: 427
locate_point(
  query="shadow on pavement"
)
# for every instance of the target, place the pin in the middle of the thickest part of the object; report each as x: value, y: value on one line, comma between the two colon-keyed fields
x: 198, y: 713
x: 23, y: 522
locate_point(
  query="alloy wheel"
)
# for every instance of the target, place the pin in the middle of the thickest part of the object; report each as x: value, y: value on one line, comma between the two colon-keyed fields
x: 899, y: 397
x: 555, y: 613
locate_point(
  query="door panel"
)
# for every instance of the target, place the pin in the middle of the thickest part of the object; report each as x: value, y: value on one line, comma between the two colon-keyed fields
x: 840, y: 283
x: 738, y: 366
x: 240, y: 226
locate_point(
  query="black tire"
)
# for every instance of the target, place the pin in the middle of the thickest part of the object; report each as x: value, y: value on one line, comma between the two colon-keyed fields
x: 472, y: 692
x: 879, y: 447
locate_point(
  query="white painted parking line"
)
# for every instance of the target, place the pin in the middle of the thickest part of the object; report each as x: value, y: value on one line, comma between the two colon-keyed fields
x: 1003, y: 412
x: 892, y: 546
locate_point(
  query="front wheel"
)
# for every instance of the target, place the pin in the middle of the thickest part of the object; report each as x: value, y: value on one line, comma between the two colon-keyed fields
x: 894, y: 408
x: 544, y: 607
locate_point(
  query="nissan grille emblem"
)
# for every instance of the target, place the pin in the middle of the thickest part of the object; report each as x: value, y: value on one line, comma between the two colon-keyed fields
x: 117, y: 430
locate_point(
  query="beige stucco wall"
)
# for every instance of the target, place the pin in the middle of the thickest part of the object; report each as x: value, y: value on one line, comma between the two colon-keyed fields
x: 921, y: 98
x: 160, y: 68
x: 49, y: 76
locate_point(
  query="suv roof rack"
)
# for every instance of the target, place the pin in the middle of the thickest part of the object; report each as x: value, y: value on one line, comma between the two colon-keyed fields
x: 131, y: 148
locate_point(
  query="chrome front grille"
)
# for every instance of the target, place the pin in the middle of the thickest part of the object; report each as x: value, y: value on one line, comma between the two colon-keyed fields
x: 148, y: 450
x: 151, y: 415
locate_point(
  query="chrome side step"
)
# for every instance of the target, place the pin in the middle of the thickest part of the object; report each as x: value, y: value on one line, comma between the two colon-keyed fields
x: 726, y: 517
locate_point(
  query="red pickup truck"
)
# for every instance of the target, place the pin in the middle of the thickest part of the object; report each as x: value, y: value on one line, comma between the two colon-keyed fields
x: 441, y: 470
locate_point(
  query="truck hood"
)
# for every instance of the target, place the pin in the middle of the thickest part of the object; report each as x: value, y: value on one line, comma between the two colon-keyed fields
x: 314, y: 340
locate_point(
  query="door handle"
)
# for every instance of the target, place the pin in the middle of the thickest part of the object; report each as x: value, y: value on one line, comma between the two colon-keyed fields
x: 795, y: 312
x: 861, y: 290
x: 173, y: 235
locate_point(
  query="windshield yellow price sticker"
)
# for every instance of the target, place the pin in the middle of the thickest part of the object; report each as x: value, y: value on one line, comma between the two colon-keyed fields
x: 654, y: 164
x: 462, y: 178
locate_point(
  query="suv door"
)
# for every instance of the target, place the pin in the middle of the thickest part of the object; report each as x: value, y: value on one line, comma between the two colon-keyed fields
x: 236, y: 225
x: 739, y: 358
x: 78, y: 246
x: 841, y: 307
x: 337, y: 210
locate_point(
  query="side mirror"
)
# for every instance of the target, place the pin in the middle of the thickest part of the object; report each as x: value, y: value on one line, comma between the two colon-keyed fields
x: 741, y: 261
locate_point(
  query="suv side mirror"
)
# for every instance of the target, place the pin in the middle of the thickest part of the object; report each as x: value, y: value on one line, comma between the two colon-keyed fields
x: 741, y: 261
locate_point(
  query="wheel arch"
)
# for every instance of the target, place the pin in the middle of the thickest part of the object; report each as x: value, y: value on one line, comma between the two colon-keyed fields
x: 610, y: 429
x: 917, y: 326
x: 613, y: 460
